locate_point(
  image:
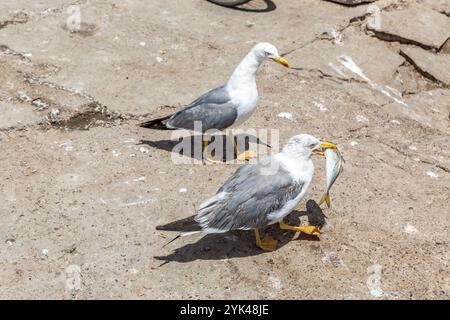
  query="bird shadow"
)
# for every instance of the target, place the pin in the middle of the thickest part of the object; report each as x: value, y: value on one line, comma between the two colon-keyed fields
x: 236, y: 244
x: 191, y: 146
x: 253, y: 6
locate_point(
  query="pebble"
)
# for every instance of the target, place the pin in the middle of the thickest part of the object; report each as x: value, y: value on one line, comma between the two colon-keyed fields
x: 144, y: 150
x: 361, y: 118
x: 286, y: 115
x: 410, y: 229
x: 432, y: 174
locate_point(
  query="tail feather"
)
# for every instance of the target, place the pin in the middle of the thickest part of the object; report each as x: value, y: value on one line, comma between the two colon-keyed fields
x: 159, y: 123
x: 325, y: 198
x: 208, y: 209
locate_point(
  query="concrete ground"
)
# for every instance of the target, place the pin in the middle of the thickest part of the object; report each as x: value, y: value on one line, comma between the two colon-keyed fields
x: 83, y: 188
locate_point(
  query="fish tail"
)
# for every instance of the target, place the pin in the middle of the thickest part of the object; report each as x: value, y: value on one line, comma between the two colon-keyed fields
x: 325, y: 198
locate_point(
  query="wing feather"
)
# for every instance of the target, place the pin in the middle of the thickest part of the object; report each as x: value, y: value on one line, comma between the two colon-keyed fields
x: 214, y: 110
x: 247, y: 198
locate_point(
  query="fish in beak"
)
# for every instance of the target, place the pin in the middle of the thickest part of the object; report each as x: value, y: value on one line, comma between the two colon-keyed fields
x: 324, y: 146
x: 281, y: 61
x: 335, y: 166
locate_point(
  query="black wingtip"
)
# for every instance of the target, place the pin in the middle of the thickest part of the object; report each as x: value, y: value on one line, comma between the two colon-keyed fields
x: 159, y: 123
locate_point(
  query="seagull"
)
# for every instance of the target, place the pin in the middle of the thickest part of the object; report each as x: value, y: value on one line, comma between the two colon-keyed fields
x: 226, y: 106
x: 261, y: 194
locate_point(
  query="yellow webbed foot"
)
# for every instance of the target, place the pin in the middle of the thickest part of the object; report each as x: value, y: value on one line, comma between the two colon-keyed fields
x: 246, y: 155
x: 267, y: 244
x: 312, y: 230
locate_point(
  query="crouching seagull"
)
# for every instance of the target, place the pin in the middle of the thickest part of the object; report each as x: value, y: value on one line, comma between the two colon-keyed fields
x: 258, y: 195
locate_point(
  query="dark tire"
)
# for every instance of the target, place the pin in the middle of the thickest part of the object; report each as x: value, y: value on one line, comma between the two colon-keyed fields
x: 229, y: 3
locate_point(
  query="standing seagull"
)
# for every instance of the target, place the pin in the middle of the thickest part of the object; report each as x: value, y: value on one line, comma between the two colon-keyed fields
x: 261, y: 194
x: 228, y: 105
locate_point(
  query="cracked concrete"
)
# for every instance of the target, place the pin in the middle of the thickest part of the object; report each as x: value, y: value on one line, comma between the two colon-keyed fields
x: 83, y: 189
x: 435, y: 67
x: 16, y: 18
x: 421, y: 26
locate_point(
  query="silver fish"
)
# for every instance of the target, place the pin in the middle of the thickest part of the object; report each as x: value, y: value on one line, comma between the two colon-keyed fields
x: 335, y: 165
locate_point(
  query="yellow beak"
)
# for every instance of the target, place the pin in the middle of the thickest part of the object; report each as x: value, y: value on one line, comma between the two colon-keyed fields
x: 323, y: 146
x: 328, y: 145
x: 319, y: 153
x: 281, y: 61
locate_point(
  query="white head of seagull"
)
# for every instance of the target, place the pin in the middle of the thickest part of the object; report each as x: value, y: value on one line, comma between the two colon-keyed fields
x: 302, y: 146
x: 245, y: 72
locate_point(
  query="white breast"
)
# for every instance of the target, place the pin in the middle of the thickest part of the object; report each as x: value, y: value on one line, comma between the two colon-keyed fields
x: 301, y: 171
x: 246, y: 97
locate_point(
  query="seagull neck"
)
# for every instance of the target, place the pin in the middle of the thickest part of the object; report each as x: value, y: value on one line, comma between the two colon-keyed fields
x: 300, y: 166
x: 295, y: 152
x: 245, y: 72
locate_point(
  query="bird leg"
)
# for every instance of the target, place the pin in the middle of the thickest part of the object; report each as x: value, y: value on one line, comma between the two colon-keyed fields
x: 267, y: 244
x: 205, y: 144
x: 312, y: 230
x: 246, y: 155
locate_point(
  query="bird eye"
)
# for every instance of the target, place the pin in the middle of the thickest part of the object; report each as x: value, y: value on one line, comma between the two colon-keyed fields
x: 312, y: 146
x: 267, y: 53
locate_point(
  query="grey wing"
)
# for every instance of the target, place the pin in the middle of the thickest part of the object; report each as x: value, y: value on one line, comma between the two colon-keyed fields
x: 214, y: 110
x: 246, y: 199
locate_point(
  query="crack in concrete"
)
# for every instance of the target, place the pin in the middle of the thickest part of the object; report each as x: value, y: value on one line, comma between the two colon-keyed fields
x: 19, y: 18
x: 383, y: 36
x: 328, y: 76
x: 93, y: 114
x: 389, y: 37
x: 358, y: 20
x: 34, y: 80
x: 8, y: 51
x: 424, y: 73
x: 90, y: 113
x: 445, y: 13
x: 443, y: 45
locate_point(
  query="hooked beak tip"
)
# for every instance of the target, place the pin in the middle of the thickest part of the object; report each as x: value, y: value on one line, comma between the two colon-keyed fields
x: 327, y: 145
x: 323, y: 147
x: 281, y: 61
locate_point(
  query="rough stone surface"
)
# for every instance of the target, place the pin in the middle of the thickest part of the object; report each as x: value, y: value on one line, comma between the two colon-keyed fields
x: 419, y: 25
x: 83, y: 200
x: 446, y: 47
x: 364, y: 50
x: 430, y: 108
x: 442, y: 6
x: 434, y: 66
